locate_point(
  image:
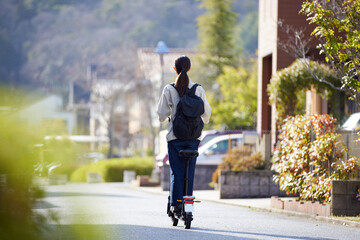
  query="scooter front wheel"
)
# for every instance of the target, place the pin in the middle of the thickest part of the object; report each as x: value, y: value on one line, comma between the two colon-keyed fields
x: 168, y: 207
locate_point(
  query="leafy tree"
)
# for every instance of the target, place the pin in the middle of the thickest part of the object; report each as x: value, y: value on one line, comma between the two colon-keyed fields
x: 248, y: 33
x: 338, y: 29
x: 287, y: 87
x: 237, y: 106
x: 216, y: 34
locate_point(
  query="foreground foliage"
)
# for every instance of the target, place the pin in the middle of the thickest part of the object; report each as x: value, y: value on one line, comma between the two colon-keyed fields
x: 18, y: 193
x: 309, y: 156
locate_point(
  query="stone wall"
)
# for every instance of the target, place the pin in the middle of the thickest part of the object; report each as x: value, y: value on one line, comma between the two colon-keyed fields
x: 248, y: 184
x: 343, y: 198
x: 343, y: 201
x: 203, y: 174
x: 313, y: 208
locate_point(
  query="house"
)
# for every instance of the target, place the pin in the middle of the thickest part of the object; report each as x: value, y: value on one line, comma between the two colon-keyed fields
x: 109, y: 114
x: 271, y: 58
x: 101, y: 105
x: 50, y: 114
x: 45, y: 110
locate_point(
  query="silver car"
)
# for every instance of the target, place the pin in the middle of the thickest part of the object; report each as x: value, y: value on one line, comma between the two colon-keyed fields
x: 212, y: 152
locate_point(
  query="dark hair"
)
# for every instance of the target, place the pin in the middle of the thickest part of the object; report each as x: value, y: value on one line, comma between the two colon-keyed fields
x: 182, y: 65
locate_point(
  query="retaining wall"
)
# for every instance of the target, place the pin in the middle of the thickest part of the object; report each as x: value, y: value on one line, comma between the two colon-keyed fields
x: 202, y: 178
x: 343, y: 201
x: 343, y: 198
x: 248, y: 184
x: 314, y: 208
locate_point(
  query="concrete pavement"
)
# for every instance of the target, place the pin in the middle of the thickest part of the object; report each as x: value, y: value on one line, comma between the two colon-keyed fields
x: 118, y: 211
x: 259, y: 204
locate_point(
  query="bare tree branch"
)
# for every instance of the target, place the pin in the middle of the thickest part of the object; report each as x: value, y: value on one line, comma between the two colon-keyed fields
x: 297, y: 47
x: 296, y: 44
x: 317, y: 78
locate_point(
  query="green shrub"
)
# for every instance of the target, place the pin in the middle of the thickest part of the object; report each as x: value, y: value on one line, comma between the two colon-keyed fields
x: 241, y: 159
x: 60, y: 151
x: 287, y: 87
x: 66, y: 168
x: 112, y: 170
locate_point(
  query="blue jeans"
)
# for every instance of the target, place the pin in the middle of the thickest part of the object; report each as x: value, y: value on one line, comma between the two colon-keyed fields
x: 178, y: 168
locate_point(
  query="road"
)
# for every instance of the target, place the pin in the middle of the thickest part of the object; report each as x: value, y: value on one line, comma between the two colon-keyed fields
x: 117, y: 211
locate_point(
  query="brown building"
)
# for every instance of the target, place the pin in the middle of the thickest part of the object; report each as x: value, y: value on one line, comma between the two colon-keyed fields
x: 272, y: 58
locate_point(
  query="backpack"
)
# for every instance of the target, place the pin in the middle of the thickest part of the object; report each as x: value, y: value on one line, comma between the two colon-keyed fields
x: 187, y: 124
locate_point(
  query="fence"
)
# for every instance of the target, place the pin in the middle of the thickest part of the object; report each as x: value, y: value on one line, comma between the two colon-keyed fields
x: 349, y: 140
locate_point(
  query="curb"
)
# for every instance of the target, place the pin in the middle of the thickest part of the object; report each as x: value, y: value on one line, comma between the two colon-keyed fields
x: 332, y: 220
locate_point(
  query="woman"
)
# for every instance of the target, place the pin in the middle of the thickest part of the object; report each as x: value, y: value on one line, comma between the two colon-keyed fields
x: 167, y: 108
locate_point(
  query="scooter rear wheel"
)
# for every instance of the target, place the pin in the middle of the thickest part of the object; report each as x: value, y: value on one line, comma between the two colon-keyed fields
x: 187, y: 220
x: 187, y: 224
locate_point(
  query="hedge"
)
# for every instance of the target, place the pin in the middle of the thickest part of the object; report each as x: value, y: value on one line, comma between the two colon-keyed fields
x: 112, y: 170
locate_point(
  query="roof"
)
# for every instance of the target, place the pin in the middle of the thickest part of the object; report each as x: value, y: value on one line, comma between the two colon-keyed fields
x: 150, y: 65
x: 108, y: 87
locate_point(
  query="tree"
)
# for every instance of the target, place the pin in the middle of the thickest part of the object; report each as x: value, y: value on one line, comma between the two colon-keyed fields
x: 338, y: 30
x: 237, y: 105
x: 216, y: 34
x: 287, y: 87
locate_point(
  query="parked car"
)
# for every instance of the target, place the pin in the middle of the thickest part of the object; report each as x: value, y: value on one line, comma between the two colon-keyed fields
x: 213, y: 151
x: 210, y: 134
x: 352, y: 123
x: 214, y: 146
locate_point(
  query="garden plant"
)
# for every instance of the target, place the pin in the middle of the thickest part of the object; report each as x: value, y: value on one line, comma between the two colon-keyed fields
x: 308, y: 157
x: 240, y: 159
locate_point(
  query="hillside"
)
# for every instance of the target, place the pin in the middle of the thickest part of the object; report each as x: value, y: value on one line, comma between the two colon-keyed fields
x: 47, y: 43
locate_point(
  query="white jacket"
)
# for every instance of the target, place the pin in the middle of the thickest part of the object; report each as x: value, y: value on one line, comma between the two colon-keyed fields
x: 168, y: 102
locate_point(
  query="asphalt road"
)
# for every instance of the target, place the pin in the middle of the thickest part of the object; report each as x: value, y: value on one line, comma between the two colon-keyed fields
x: 117, y: 211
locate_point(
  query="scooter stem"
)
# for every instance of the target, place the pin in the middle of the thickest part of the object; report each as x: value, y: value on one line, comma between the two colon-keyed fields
x: 186, y: 177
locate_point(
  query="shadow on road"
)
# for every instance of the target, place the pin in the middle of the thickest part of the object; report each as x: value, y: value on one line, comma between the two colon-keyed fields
x: 123, y: 231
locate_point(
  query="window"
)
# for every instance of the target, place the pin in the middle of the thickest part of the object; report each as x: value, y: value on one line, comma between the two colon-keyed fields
x: 222, y: 147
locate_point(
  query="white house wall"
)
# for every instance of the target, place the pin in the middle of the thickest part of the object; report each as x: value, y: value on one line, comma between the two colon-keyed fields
x: 47, y: 108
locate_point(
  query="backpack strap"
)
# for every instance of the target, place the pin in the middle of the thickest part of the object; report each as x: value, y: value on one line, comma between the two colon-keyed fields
x: 193, y: 89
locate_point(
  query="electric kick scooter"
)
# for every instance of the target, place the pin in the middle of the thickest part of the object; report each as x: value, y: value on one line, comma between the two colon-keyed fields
x: 187, y: 203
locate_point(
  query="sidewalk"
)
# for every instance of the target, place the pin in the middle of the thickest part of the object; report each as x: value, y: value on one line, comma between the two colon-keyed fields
x: 259, y: 204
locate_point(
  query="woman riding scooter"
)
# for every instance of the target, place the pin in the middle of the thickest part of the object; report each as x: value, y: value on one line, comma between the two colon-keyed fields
x: 167, y: 107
